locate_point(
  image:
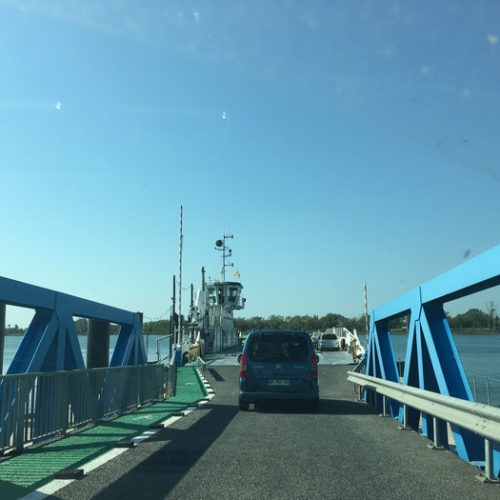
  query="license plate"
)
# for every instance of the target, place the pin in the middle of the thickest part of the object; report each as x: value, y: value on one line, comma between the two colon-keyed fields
x: 279, y: 382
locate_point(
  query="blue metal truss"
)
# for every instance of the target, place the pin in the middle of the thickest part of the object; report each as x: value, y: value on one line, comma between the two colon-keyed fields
x: 432, y: 360
x: 51, y: 342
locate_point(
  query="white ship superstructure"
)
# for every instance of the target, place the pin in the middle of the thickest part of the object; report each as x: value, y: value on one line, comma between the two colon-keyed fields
x: 215, y: 304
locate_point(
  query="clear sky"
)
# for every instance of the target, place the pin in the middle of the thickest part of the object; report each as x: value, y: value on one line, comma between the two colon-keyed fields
x: 340, y: 142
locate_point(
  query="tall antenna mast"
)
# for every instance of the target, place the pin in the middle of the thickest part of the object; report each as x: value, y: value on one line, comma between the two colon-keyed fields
x: 221, y: 246
x: 179, y: 330
x: 366, y: 315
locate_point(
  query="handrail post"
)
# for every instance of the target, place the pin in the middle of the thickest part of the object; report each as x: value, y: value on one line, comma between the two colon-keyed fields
x: 2, y: 334
x: 405, y: 426
x: 488, y: 456
x: 437, y: 438
x: 488, y: 476
x: 384, y: 407
x: 64, y: 403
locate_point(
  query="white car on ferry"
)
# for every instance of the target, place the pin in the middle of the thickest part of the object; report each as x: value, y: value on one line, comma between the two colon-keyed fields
x: 328, y: 341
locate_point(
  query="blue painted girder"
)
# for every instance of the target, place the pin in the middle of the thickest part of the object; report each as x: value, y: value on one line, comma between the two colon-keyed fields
x: 432, y: 360
x: 51, y: 342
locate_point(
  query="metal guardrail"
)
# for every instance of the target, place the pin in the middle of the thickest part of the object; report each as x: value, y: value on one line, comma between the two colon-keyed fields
x: 38, y: 406
x: 481, y: 419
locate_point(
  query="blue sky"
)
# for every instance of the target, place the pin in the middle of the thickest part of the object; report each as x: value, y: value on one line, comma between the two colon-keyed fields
x: 327, y: 137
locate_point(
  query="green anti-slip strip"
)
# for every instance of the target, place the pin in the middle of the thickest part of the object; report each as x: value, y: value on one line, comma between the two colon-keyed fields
x: 22, y: 474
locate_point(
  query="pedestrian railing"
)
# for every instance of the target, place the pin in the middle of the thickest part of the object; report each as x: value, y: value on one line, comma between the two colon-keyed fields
x: 486, y: 390
x: 172, y: 377
x: 38, y: 406
x: 478, y: 418
x: 161, y: 357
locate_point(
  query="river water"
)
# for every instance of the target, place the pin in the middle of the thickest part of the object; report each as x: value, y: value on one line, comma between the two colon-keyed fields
x: 480, y: 356
x: 12, y: 343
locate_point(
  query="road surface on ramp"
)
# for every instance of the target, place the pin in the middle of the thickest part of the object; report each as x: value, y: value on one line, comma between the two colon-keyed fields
x: 345, y: 450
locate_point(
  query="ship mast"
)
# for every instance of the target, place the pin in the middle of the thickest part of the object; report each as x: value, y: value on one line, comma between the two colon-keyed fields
x: 220, y: 245
x: 179, y: 329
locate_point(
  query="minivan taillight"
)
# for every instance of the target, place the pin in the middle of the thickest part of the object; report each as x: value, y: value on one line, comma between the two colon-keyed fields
x: 314, y: 366
x: 243, y: 366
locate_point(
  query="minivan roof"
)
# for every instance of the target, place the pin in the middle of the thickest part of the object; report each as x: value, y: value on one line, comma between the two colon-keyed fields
x: 278, y: 332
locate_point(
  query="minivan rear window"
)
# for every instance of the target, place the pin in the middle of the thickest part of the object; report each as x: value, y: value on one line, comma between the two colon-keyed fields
x: 329, y: 336
x: 279, y: 349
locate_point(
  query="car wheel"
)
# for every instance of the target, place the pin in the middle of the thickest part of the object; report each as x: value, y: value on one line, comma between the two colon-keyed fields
x: 243, y: 405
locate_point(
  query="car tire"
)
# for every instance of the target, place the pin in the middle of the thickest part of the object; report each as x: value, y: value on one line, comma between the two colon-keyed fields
x: 243, y: 405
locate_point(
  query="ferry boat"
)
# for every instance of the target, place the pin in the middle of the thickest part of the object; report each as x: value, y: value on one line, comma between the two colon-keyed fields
x: 212, y: 312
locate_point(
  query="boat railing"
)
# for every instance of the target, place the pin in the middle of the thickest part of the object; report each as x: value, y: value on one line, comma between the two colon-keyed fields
x: 159, y: 356
x: 352, y: 342
x: 202, y: 368
x: 172, y: 377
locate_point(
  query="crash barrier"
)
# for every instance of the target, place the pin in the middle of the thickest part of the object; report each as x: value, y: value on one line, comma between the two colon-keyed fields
x: 432, y: 361
x: 480, y: 419
x: 38, y: 406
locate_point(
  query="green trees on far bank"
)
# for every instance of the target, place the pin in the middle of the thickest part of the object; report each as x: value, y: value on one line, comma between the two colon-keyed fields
x: 308, y: 323
x: 472, y: 321
x: 475, y: 319
x: 14, y: 330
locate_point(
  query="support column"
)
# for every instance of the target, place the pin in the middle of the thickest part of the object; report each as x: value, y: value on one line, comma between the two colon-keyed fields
x: 98, y: 344
x: 3, y: 309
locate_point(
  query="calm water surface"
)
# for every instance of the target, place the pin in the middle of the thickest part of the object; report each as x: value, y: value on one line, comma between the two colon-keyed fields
x: 12, y: 343
x: 480, y: 355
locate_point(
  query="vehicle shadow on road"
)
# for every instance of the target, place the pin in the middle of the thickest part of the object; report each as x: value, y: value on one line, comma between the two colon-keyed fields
x: 167, y: 466
x: 346, y: 407
x: 326, y: 407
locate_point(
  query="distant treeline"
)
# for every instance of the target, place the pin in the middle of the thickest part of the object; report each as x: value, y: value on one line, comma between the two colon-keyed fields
x: 473, y: 321
x: 161, y: 327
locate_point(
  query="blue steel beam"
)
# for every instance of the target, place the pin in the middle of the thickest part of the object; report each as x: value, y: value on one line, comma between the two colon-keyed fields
x: 51, y: 342
x: 475, y: 275
x: 432, y: 360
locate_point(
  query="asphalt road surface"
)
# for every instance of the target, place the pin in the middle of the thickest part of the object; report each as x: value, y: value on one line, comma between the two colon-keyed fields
x: 344, y: 451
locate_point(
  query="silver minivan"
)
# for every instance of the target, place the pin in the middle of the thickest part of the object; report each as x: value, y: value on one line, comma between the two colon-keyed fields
x: 278, y: 365
x: 328, y: 341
